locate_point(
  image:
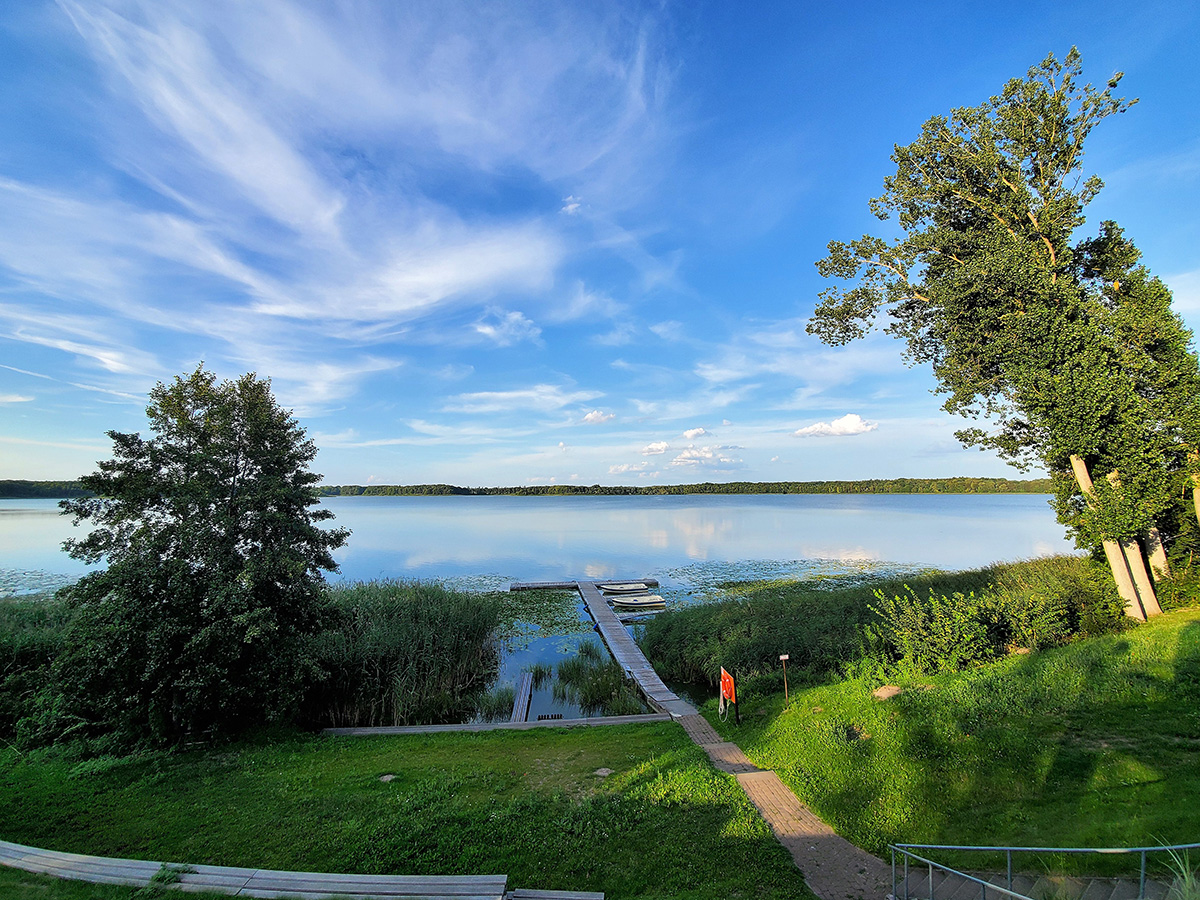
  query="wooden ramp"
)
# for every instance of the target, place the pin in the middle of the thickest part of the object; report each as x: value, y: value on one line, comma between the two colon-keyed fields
x: 520, y: 710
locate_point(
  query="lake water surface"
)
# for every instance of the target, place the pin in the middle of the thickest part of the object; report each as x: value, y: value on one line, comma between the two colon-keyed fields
x: 693, y: 540
x: 690, y: 543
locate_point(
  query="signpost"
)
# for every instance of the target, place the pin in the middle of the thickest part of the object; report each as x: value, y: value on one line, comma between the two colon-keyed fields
x: 783, y: 658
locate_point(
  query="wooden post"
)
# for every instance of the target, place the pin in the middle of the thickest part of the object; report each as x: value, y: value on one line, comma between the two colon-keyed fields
x: 1137, y: 567
x: 1112, y: 552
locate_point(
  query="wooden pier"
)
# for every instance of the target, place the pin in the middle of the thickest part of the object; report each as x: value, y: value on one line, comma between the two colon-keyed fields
x: 621, y: 644
x: 524, y: 695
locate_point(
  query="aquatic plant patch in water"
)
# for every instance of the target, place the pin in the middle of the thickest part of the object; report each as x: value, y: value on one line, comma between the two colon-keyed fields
x: 595, y: 681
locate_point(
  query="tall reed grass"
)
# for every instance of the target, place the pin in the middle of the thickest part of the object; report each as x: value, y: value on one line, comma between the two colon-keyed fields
x: 399, y: 653
x: 596, y: 683
x: 32, y: 631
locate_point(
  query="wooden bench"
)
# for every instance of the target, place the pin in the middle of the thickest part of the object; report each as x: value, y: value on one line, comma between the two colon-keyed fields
x: 256, y: 882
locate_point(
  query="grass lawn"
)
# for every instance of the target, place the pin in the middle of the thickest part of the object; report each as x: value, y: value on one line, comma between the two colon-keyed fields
x: 1096, y: 743
x: 526, y: 804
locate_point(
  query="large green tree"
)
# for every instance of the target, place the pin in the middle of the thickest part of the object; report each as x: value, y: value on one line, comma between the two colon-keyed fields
x: 199, y: 623
x: 1063, y: 346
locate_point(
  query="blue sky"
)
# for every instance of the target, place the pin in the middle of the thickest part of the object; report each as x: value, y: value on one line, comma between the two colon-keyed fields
x: 510, y: 243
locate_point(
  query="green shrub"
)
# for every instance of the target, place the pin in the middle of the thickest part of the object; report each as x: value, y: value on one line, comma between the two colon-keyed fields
x: 933, y: 634
x: 1033, y: 605
x: 400, y: 653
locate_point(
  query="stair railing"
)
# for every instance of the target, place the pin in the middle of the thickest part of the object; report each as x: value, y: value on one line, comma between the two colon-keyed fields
x: 906, y: 851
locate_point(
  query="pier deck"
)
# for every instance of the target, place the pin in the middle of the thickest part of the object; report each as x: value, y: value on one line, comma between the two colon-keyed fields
x: 622, y: 646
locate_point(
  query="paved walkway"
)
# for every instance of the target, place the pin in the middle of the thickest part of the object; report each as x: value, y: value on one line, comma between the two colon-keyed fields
x: 833, y: 867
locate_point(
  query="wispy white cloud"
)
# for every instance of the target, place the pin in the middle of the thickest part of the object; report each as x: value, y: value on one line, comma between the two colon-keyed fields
x: 692, y: 433
x: 849, y: 424
x: 669, y: 330
x: 507, y: 328
x: 174, y: 74
x: 655, y: 448
x: 597, y: 417
x: 15, y: 398
x: 540, y: 398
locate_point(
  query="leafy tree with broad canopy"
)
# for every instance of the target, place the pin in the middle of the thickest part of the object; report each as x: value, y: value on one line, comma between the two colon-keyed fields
x: 199, y: 625
x: 1065, y: 346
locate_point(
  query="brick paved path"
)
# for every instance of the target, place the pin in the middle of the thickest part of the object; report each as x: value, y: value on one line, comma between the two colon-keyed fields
x: 833, y: 867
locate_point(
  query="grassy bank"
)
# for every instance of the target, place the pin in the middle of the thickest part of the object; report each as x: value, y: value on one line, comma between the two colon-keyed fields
x: 530, y: 805
x: 830, y: 626
x: 1096, y: 743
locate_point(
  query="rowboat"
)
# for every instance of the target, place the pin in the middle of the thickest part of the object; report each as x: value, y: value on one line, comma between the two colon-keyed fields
x: 625, y: 587
x: 649, y: 601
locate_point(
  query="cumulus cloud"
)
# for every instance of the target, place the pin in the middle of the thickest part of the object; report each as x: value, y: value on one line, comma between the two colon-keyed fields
x: 692, y: 433
x: 14, y: 398
x: 851, y: 423
x: 596, y: 417
x: 624, y: 468
x: 655, y: 448
x: 570, y: 206
x: 509, y: 328
x: 708, y: 457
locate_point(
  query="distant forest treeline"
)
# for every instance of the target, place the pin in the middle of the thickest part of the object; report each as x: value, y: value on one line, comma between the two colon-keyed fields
x: 12, y: 490
x: 872, y: 486
x: 50, y: 490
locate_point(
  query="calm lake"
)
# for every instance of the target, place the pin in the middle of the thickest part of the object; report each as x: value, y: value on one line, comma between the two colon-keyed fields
x: 689, y: 543
x: 684, y: 541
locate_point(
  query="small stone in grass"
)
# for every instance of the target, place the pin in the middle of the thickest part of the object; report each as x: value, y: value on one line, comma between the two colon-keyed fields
x: 603, y: 773
x: 386, y: 778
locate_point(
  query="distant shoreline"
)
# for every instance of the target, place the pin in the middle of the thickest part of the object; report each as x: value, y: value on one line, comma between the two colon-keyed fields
x: 962, y: 485
x: 59, y: 490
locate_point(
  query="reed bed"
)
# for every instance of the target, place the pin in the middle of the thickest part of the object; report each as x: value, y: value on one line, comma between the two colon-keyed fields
x: 399, y: 653
x: 596, y: 683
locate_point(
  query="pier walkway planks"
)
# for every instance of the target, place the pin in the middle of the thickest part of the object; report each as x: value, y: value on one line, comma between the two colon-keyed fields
x: 628, y: 654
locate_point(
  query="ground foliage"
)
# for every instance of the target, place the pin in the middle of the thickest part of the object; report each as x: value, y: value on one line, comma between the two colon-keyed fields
x: 201, y: 623
x: 830, y: 626
x: 1065, y: 344
x: 532, y: 805
x: 1092, y: 744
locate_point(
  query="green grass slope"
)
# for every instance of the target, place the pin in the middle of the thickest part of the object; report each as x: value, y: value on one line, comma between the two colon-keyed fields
x: 531, y: 805
x: 1096, y: 743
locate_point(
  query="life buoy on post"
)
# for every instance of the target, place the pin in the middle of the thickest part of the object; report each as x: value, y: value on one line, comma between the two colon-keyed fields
x: 728, y: 695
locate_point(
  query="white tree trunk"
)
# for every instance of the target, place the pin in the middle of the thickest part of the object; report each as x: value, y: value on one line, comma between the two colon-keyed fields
x: 1137, y: 566
x: 1158, y: 555
x: 1112, y: 551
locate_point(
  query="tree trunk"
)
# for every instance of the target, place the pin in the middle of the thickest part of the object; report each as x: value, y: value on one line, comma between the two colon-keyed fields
x: 1137, y: 565
x: 1158, y: 555
x: 1112, y: 551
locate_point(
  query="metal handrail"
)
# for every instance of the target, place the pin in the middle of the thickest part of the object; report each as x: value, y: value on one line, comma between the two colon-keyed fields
x: 906, y: 851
